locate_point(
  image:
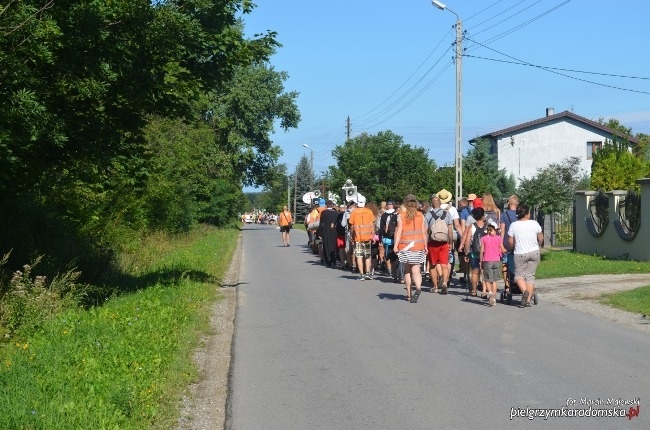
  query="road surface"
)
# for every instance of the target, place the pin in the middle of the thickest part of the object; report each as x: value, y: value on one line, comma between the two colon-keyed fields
x: 315, y: 348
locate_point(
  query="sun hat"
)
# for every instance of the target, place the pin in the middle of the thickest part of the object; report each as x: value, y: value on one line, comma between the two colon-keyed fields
x: 444, y: 196
x: 471, y: 196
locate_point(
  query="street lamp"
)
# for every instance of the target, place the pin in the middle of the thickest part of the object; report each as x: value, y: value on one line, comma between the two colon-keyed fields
x: 459, y: 99
x: 311, y: 177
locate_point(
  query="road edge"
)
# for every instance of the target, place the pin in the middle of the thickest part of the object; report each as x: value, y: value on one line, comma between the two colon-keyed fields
x: 205, y: 403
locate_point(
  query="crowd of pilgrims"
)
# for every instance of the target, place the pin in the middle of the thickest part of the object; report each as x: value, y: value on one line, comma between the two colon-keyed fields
x: 430, y: 242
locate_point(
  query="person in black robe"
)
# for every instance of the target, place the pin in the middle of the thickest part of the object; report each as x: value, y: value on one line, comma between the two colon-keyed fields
x: 327, y: 232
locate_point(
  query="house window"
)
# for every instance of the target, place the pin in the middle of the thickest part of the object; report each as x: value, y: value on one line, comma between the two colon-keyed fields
x: 592, y: 148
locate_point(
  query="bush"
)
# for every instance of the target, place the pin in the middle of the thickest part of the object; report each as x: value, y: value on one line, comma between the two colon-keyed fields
x: 27, y: 301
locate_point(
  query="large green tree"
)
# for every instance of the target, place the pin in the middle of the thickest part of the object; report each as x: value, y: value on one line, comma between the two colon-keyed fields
x: 481, y: 173
x: 131, y: 114
x: 383, y: 167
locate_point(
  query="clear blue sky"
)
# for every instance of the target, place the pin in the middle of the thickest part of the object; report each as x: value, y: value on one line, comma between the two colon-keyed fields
x: 388, y: 66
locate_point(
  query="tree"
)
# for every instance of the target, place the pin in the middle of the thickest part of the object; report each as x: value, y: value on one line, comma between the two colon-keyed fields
x: 553, y: 187
x: 302, y: 181
x: 243, y: 114
x: 481, y: 173
x: 278, y: 191
x: 383, y: 167
x: 92, y: 94
x: 614, y: 167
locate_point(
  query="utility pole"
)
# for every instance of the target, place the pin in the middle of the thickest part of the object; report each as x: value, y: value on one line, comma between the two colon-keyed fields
x: 295, y: 187
x: 349, y: 128
x: 288, y: 192
x: 323, y: 187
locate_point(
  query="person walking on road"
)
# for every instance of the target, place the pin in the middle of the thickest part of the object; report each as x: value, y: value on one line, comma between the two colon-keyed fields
x: 327, y: 233
x: 410, y: 244
x: 508, y: 216
x: 525, y: 237
x: 440, y: 226
x: 491, y: 251
x: 285, y: 221
x: 362, y: 228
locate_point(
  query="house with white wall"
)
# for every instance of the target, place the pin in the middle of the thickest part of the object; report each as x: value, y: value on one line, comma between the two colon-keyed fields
x: 523, y: 149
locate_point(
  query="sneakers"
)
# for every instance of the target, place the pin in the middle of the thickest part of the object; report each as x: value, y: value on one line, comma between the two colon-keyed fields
x: 415, y: 296
x: 362, y: 278
x: 444, y: 289
x: 368, y: 277
x: 524, y: 299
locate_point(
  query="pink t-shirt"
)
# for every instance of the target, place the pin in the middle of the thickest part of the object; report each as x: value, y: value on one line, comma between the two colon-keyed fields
x: 492, y: 245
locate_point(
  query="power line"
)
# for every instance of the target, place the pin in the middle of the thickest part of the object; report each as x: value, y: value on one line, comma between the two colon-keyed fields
x: 377, y: 116
x: 556, y: 68
x: 562, y: 74
x: 408, y: 79
x: 530, y: 21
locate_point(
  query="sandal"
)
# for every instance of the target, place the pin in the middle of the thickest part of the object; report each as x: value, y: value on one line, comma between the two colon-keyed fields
x: 407, y: 298
x: 473, y: 294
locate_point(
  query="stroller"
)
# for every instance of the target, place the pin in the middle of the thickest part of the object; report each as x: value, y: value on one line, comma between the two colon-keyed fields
x: 507, y: 293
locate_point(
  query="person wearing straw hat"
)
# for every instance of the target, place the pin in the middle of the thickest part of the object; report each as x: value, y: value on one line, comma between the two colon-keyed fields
x: 440, y: 228
x: 446, y: 204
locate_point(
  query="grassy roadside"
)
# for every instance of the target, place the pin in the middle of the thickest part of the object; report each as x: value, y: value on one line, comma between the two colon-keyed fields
x: 636, y: 300
x: 560, y: 264
x: 556, y: 264
x: 125, y: 364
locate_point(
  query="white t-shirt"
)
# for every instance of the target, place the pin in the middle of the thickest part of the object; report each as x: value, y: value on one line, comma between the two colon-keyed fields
x: 452, y: 211
x: 525, y: 234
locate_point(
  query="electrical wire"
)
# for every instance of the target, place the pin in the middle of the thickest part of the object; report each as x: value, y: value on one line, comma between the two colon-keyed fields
x: 408, y: 79
x: 557, y: 68
x: 522, y: 62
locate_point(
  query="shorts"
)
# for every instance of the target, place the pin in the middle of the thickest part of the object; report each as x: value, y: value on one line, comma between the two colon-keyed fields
x: 438, y: 252
x: 491, y: 271
x: 285, y: 228
x: 526, y: 266
x: 362, y: 249
x: 474, y: 261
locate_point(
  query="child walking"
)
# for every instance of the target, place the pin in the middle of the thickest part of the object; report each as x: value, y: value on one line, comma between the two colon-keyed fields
x: 491, y: 250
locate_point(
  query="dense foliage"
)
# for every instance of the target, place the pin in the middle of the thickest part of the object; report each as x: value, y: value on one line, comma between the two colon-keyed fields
x: 128, y: 116
x: 383, y: 167
x: 553, y: 187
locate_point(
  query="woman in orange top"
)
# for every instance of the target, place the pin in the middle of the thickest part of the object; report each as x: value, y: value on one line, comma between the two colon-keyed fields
x: 285, y: 221
x: 411, y: 245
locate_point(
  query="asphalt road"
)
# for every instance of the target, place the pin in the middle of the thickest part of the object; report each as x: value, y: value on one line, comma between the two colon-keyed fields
x: 315, y: 348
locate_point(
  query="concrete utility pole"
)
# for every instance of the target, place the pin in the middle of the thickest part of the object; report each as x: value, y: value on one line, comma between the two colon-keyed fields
x: 295, y: 187
x: 459, y: 99
x: 349, y: 128
x: 311, y: 176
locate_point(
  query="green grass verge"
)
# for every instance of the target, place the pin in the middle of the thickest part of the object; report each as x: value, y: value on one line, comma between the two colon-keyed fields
x: 560, y: 264
x: 636, y: 300
x: 123, y: 365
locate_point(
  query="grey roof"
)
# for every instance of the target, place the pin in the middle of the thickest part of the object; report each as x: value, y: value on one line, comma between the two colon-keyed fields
x: 565, y: 114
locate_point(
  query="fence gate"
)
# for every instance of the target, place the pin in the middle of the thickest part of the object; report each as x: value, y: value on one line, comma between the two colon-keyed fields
x: 562, y: 228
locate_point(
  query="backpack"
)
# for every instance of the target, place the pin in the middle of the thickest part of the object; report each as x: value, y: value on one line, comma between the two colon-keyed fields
x: 491, y: 215
x: 438, y: 231
x: 476, y: 239
x: 391, y: 225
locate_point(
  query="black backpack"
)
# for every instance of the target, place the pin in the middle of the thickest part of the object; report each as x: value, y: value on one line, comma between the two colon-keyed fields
x: 391, y: 225
x: 476, y: 239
